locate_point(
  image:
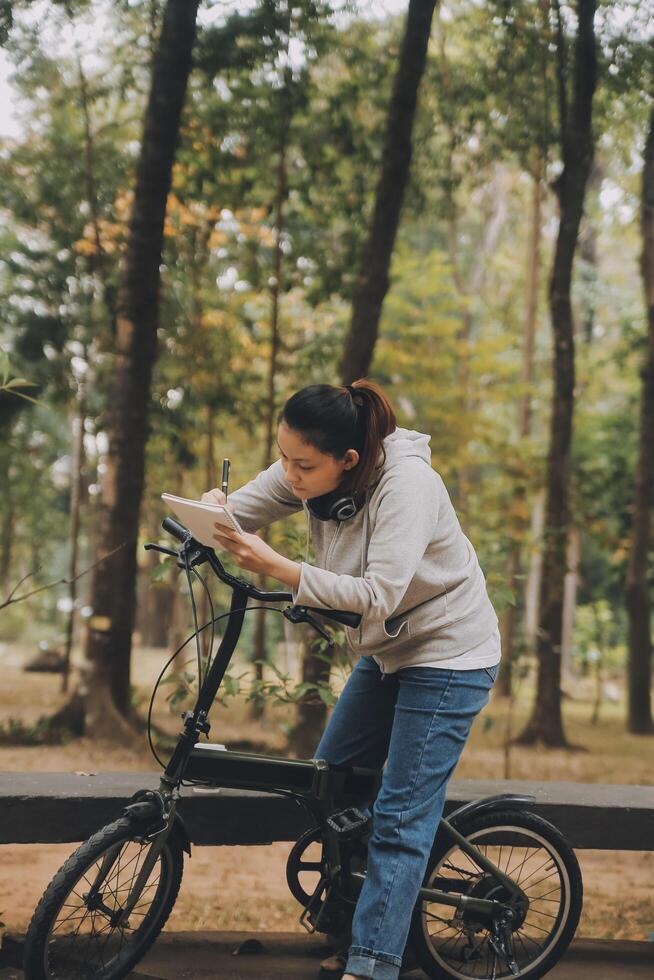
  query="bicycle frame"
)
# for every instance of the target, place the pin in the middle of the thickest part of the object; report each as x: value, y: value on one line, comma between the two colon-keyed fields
x: 319, y: 785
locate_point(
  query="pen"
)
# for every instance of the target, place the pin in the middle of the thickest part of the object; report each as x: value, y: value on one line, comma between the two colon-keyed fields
x: 225, y: 476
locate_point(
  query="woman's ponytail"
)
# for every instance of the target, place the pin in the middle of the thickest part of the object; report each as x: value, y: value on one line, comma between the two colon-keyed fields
x: 376, y: 419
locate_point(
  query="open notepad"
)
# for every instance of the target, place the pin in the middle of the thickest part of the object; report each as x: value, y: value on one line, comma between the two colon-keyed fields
x: 200, y: 517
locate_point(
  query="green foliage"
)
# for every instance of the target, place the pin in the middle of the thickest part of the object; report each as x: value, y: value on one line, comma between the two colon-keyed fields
x: 271, y: 140
x: 598, y: 637
x: 13, y: 386
x: 42, y: 732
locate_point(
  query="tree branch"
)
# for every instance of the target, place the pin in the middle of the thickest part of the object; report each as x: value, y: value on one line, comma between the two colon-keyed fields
x: 50, y: 585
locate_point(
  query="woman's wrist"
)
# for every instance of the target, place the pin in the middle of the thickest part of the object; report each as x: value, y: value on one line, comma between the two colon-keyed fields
x: 285, y: 570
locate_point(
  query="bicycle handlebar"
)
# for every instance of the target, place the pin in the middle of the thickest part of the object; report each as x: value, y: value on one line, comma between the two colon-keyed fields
x: 198, y: 553
x: 173, y: 527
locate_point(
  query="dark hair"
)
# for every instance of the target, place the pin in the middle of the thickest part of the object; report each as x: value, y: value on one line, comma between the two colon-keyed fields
x: 334, y: 419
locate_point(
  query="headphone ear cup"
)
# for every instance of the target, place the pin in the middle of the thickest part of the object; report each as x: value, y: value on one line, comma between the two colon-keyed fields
x: 342, y: 509
x: 331, y: 507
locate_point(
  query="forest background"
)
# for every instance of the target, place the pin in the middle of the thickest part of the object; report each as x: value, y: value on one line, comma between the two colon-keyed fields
x: 315, y: 229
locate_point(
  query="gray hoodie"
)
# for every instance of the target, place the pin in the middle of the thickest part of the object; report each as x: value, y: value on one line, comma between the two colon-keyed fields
x: 402, y: 561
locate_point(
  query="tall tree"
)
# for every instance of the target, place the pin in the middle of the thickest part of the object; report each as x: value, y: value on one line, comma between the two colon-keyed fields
x: 113, y: 587
x: 373, y: 281
x: 514, y: 563
x: 546, y: 722
x: 639, y: 719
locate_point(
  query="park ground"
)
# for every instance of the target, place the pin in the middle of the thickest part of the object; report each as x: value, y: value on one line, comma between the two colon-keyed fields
x: 244, y: 888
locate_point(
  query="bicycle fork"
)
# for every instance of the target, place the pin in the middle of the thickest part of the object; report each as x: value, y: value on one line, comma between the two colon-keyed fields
x: 158, y: 837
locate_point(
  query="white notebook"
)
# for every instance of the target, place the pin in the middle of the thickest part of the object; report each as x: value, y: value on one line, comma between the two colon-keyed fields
x: 200, y: 517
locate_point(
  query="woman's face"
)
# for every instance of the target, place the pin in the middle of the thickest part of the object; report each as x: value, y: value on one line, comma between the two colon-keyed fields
x: 309, y: 472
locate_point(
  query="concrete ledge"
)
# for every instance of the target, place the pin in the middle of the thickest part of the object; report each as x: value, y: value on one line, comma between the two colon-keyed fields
x: 46, y: 808
x: 216, y: 956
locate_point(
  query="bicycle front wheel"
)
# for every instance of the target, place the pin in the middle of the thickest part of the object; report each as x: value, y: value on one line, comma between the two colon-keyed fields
x: 530, y: 850
x: 74, y: 933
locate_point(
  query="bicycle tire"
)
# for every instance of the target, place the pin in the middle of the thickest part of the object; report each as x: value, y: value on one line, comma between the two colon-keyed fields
x: 430, y: 952
x: 47, y: 958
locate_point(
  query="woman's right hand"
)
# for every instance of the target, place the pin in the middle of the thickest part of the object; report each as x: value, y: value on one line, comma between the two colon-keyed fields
x: 216, y: 496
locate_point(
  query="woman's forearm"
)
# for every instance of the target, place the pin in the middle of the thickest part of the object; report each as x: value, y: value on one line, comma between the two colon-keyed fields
x: 285, y: 570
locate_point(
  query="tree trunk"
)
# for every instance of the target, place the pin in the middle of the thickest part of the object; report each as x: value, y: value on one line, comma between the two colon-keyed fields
x: 470, y: 290
x: 373, y: 281
x: 96, y: 260
x: 514, y: 560
x: 504, y: 686
x: 588, y: 253
x: 110, y: 627
x: 154, y: 603
x: 311, y: 717
x: 281, y: 193
x: 570, y: 601
x: 546, y: 723
x: 8, y: 509
x: 76, y: 486
x: 209, y: 481
x: 639, y: 719
x: 532, y: 590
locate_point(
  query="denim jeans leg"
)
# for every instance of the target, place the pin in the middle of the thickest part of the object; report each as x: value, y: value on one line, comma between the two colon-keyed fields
x: 433, y: 714
x: 359, y: 729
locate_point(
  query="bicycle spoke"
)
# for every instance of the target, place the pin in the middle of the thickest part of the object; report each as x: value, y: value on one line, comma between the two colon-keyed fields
x: 544, y: 898
x: 78, y: 914
x: 548, y: 860
x: 84, y: 941
x: 523, y: 935
x: 464, y: 949
x: 512, y: 873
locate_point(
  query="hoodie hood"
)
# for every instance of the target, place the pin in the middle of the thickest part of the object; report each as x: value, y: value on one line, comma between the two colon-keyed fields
x: 402, y: 443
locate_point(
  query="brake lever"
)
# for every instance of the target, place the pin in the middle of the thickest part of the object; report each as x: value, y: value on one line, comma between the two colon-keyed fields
x: 299, y: 614
x: 158, y: 547
x: 196, y: 555
x: 323, y: 632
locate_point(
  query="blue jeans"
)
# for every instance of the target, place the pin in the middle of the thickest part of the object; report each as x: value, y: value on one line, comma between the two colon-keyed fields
x: 417, y: 720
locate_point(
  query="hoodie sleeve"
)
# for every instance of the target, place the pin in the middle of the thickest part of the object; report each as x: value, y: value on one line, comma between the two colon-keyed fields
x: 265, y: 499
x: 404, y: 526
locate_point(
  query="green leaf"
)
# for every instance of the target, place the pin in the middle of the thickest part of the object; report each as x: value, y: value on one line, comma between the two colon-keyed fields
x: 282, y: 677
x: 5, y: 366
x: 28, y: 398
x: 231, y: 685
x: 326, y: 696
x: 20, y: 383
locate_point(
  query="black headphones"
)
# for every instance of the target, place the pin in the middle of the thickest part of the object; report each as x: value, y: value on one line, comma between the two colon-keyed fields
x: 335, y: 505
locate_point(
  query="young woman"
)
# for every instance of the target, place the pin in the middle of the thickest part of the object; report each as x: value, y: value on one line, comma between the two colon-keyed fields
x: 388, y: 545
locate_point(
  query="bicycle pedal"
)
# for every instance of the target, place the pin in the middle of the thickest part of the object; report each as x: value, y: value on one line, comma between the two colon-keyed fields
x: 349, y: 823
x: 308, y: 925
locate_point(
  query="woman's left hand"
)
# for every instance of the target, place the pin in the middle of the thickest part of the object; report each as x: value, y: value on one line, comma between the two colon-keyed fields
x: 249, y: 550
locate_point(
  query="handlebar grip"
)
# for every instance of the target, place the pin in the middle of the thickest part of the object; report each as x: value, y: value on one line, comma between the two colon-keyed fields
x: 344, y: 616
x: 177, y: 530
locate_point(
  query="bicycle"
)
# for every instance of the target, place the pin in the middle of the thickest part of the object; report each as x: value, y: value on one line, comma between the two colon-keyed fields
x: 506, y: 883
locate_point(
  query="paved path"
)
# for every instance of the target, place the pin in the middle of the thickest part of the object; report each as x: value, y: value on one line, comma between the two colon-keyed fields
x: 210, y: 956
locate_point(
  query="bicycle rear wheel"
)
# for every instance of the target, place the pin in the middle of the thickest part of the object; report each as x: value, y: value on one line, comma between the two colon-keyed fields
x: 453, y: 944
x: 73, y: 934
